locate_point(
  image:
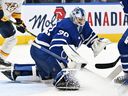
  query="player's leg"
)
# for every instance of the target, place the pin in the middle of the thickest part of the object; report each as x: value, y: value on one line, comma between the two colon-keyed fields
x: 63, y: 79
x: 123, y: 50
x: 47, y: 65
x: 20, y: 70
x: 44, y: 68
x: 8, y: 32
x: 48, y: 68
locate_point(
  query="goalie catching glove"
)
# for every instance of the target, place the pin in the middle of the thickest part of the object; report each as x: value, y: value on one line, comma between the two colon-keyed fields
x: 99, y: 44
x: 20, y: 26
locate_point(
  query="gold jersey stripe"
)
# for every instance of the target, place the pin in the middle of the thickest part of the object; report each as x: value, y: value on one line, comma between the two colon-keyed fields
x: 16, y: 15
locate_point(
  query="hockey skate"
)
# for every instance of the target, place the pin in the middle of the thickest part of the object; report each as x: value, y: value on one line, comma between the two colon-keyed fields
x: 122, y: 79
x: 11, y: 75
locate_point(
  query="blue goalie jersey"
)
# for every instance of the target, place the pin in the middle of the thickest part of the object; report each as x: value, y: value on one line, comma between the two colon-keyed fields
x: 66, y: 32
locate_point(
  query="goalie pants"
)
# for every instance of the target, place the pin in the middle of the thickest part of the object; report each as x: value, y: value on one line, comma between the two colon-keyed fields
x: 123, y: 50
x: 47, y: 65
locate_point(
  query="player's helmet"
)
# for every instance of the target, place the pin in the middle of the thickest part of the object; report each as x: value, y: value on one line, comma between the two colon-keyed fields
x: 78, y: 16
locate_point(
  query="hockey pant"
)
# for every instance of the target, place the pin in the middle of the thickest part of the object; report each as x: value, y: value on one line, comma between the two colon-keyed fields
x: 47, y: 65
x: 8, y: 32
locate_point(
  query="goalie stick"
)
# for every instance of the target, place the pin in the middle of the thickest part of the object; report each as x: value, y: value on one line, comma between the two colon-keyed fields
x: 72, y: 54
x: 49, y: 52
x: 97, y: 65
x: 107, y: 65
x: 111, y: 76
x: 115, y: 72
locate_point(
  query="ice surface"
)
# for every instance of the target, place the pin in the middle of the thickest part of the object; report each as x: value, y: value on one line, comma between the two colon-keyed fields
x: 92, y: 84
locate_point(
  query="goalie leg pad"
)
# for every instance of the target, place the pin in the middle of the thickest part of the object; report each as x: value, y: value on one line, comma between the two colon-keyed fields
x: 66, y: 80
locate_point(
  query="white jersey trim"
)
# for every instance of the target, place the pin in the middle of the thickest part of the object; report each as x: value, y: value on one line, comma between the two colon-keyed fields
x: 42, y: 43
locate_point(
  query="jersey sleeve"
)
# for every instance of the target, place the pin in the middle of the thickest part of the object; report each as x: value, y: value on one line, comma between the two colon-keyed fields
x: 89, y: 35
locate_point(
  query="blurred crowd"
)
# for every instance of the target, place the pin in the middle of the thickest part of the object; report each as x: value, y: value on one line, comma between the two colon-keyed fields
x: 68, y: 1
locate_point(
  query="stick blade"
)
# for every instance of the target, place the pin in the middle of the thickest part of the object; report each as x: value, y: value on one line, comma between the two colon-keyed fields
x: 107, y: 65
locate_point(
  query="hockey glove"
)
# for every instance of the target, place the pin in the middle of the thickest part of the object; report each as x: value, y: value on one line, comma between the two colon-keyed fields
x: 99, y: 44
x: 20, y: 26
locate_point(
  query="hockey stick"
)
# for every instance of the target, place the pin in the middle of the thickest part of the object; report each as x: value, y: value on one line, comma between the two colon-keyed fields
x: 75, y: 57
x: 111, y: 76
x: 25, y: 29
x: 98, y: 65
x: 107, y: 65
x: 60, y: 58
x: 72, y: 54
x: 30, y: 33
x: 49, y: 52
x: 114, y: 73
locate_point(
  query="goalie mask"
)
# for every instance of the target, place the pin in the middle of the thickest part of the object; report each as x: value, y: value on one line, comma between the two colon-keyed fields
x: 78, y: 16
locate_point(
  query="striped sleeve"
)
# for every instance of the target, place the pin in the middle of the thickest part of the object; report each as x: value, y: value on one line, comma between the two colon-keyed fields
x: 89, y: 41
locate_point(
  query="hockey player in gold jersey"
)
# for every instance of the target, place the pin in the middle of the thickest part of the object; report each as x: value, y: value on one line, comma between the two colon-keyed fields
x: 9, y: 9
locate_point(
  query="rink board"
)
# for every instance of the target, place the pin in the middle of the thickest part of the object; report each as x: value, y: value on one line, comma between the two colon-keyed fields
x: 107, y: 20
